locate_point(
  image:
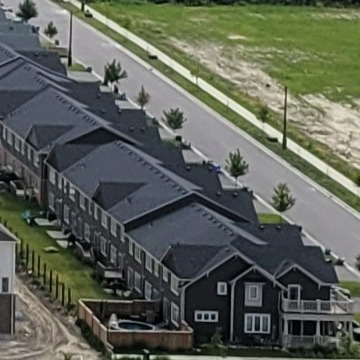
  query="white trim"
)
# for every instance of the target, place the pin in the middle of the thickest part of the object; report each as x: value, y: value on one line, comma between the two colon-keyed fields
x: 221, y: 288
x: 137, y: 278
x: 175, y: 308
x: 104, y: 220
x: 137, y: 253
x: 174, y: 284
x: 253, y: 317
x: 294, y: 286
x: 232, y: 304
x: 209, y: 316
x: 156, y: 268
x: 165, y: 274
x: 103, y: 245
x: 113, y: 226
x: 130, y: 278
x: 147, y: 290
x: 148, y: 262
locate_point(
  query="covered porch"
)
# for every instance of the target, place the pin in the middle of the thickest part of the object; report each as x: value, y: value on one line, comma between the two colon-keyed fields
x: 310, y: 331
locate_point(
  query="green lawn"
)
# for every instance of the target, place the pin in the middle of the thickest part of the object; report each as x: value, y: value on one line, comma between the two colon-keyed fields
x: 76, y: 67
x: 310, y: 49
x: 353, y: 286
x: 71, y: 271
x: 265, y: 218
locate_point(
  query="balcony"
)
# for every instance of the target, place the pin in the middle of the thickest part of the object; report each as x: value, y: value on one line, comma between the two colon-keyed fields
x: 305, y: 341
x: 339, y: 304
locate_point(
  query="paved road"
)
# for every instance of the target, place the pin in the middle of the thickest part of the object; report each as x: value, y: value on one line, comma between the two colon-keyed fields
x: 322, y: 217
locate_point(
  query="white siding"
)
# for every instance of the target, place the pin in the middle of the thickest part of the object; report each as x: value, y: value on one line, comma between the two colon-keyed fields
x: 7, y: 262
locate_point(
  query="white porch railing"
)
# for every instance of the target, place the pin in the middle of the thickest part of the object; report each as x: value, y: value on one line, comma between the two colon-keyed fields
x: 296, y: 341
x: 338, y: 305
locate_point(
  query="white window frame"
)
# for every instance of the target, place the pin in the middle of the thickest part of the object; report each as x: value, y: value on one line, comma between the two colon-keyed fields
x: 156, y: 268
x: 51, y: 199
x: 72, y: 192
x: 17, y: 143
x: 36, y: 160
x: 174, y: 284
x: 104, y: 220
x: 210, y: 316
x: 103, y: 245
x: 148, y: 263
x: 222, y: 288
x: 4, y: 133
x: 147, y: 290
x: 66, y: 214
x: 29, y: 153
x: 256, y: 288
x: 82, y: 201
x: 250, y: 299
x: 87, y: 232
x: 90, y: 208
x: 23, y: 148
x: 130, y: 278
x: 113, y: 255
x: 165, y: 274
x: 174, y: 314
x: 250, y: 319
x: 113, y: 226
x: 137, y: 253
x: 131, y: 247
x: 137, y: 282
x: 52, y: 176
x: 9, y: 138
x: 96, y: 212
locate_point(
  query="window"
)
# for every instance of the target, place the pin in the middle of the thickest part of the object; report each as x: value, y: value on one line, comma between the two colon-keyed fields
x: 174, y: 314
x: 257, y: 323
x: 66, y: 184
x: 206, y: 316
x: 71, y: 192
x: 130, y: 278
x: 113, y: 255
x: 148, y: 290
x: 156, y: 268
x: 104, y: 220
x: 148, y: 263
x: 103, y: 243
x: 137, y: 282
x: 36, y: 161
x: 137, y: 254
x: 23, y: 148
x: 51, y: 201
x: 222, y: 288
x: 131, y: 247
x: 90, y: 208
x: 29, y: 151
x: 52, y: 176
x: 10, y: 138
x: 17, y: 143
x: 5, y: 284
x: 60, y: 183
x: 155, y: 294
x: 82, y: 200
x: 165, y: 273
x: 96, y: 215
x: 66, y: 214
x: 174, y: 285
x: 87, y: 232
x: 253, y: 294
x: 4, y: 133
x: 113, y: 226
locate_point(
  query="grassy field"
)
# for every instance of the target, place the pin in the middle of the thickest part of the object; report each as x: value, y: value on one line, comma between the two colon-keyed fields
x: 265, y: 218
x: 312, y: 50
x: 71, y: 271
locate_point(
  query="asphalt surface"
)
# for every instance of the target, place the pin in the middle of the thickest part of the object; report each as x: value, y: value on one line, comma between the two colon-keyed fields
x: 322, y: 217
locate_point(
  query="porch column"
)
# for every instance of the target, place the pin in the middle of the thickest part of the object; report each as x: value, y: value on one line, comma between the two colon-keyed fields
x: 350, y: 327
x: 286, y: 327
x: 318, y: 331
x: 285, y: 337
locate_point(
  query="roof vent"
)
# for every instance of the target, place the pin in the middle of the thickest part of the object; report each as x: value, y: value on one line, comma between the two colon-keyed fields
x: 218, y: 193
x: 142, y: 128
x: 188, y: 167
x: 261, y: 227
x: 278, y: 227
x: 235, y: 194
x: 131, y: 128
x: 103, y: 111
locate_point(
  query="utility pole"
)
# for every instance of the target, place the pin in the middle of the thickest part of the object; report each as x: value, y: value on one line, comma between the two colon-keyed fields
x: 285, y: 121
x: 70, y: 41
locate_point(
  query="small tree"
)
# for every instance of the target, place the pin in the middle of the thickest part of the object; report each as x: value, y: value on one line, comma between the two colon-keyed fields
x: 114, y: 72
x: 264, y: 114
x: 282, y: 199
x: 50, y: 30
x: 236, y: 165
x: 143, y: 98
x: 27, y: 10
x: 174, y: 118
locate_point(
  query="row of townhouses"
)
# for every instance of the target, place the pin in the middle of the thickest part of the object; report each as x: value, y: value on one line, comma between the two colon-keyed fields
x: 166, y: 226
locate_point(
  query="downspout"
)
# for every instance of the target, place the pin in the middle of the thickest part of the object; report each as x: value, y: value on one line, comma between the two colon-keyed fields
x: 232, y: 311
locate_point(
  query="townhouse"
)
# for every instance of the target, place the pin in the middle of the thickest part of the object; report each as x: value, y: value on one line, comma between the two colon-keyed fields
x: 168, y: 228
x: 7, y: 284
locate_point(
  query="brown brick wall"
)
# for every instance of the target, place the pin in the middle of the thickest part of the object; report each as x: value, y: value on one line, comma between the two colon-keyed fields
x: 7, y: 313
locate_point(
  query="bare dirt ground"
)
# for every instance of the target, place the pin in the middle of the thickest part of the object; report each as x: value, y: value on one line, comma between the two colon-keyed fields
x: 335, y: 124
x: 40, y: 335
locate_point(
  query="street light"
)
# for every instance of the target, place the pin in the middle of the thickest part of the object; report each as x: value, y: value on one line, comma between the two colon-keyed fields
x: 70, y: 41
x: 284, y: 144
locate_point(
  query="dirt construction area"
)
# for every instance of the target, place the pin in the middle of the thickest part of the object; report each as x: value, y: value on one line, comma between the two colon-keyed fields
x: 41, y: 335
